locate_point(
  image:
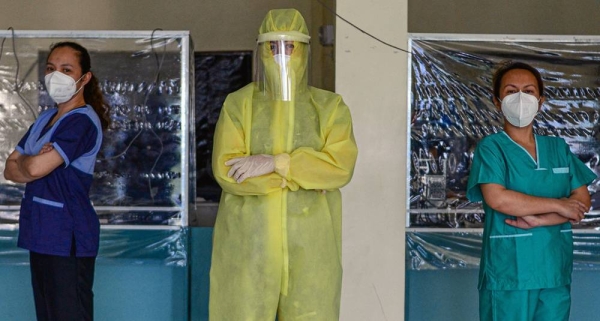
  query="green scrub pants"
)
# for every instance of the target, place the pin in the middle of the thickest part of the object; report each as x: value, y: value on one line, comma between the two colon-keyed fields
x: 552, y: 304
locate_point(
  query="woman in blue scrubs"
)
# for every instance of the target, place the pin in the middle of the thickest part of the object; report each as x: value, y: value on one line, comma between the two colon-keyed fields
x: 55, y: 158
x: 532, y: 189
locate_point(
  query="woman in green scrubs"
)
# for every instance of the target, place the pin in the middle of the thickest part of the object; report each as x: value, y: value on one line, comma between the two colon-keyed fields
x: 532, y: 188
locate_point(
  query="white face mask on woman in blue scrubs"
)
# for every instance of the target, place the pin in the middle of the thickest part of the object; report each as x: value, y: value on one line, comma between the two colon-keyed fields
x: 61, y: 87
x: 520, y: 108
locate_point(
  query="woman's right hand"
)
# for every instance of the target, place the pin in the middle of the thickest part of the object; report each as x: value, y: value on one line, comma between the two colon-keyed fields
x: 572, y: 209
x: 524, y: 222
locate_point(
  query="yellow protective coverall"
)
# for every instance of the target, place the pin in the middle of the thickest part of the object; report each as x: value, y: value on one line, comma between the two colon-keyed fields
x: 277, y: 238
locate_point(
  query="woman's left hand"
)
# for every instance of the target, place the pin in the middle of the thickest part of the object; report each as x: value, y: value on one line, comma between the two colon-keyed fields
x: 46, y: 148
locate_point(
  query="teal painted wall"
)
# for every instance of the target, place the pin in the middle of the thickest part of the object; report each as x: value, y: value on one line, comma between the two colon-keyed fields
x: 200, y: 254
x: 451, y: 295
x: 140, y: 276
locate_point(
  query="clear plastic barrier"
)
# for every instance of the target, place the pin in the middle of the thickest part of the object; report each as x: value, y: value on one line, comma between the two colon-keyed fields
x: 451, y: 110
x: 142, y: 175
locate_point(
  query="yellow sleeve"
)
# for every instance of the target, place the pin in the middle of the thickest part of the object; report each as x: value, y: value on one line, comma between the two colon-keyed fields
x: 332, y: 166
x: 230, y: 142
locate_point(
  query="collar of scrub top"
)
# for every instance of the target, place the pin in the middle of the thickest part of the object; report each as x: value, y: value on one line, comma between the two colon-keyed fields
x: 537, y: 152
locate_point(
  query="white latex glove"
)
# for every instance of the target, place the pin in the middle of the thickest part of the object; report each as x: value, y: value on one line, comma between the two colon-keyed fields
x: 250, y: 166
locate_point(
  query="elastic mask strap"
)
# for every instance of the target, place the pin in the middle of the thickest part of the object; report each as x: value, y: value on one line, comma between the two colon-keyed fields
x: 78, y: 80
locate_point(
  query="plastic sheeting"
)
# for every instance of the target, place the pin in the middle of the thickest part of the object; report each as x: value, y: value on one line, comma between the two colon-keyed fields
x: 143, y: 181
x: 168, y: 247
x: 451, y: 110
x: 461, y: 250
x: 142, y: 174
x: 431, y: 251
x: 217, y: 74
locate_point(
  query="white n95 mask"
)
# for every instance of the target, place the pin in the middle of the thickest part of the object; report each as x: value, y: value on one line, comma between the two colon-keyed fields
x: 282, y: 60
x: 520, y: 108
x: 61, y: 87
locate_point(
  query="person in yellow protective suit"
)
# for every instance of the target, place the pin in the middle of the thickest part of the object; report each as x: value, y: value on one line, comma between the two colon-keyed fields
x: 282, y: 149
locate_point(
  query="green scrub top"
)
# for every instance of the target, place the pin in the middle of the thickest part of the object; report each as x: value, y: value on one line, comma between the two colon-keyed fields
x: 525, y: 259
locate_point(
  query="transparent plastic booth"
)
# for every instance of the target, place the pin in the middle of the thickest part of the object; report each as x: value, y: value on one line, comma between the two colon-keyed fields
x: 143, y: 181
x: 450, y: 111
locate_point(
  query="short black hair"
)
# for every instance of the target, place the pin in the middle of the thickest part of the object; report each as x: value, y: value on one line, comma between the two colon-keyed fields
x: 511, y: 65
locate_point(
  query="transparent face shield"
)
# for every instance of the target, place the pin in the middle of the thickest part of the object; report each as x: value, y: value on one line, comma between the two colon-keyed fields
x: 282, y: 65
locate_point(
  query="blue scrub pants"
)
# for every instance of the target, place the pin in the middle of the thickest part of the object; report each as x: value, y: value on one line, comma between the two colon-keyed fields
x: 62, y: 287
x: 552, y: 304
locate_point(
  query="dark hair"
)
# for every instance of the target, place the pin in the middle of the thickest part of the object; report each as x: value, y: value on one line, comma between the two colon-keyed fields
x: 91, y: 92
x: 511, y: 65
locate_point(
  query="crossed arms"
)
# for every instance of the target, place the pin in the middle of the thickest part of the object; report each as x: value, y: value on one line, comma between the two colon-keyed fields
x: 532, y: 211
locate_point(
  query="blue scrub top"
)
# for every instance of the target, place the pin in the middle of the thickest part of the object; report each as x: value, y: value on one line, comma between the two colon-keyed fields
x: 56, y: 209
x: 524, y: 259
